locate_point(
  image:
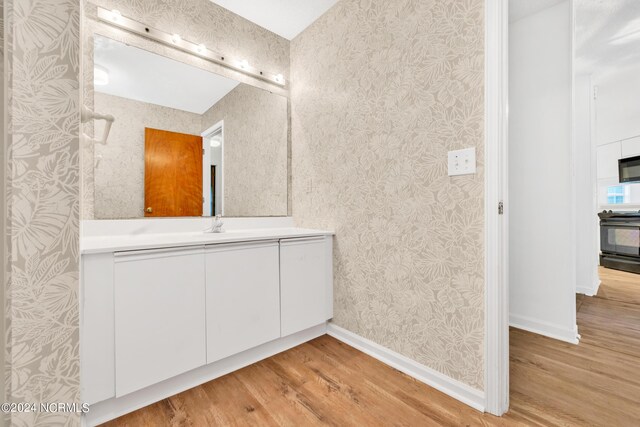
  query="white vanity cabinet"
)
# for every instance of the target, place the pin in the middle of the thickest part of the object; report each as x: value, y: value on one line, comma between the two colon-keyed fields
x: 243, y: 297
x: 305, y: 295
x: 97, y: 361
x: 159, y: 315
x: 164, y: 315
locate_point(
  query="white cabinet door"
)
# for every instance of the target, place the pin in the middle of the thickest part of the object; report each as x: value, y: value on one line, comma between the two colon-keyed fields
x: 97, y: 364
x: 243, y: 297
x: 607, y: 158
x: 303, y: 283
x: 159, y: 315
x: 631, y: 147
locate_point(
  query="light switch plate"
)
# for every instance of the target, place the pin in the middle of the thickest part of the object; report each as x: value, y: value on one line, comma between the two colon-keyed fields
x: 462, y: 162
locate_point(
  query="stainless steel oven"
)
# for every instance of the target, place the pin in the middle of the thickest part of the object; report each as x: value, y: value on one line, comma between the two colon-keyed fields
x: 620, y: 240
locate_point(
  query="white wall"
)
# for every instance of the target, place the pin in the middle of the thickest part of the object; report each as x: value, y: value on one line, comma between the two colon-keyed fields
x: 618, y: 105
x: 587, y: 223
x: 542, y: 246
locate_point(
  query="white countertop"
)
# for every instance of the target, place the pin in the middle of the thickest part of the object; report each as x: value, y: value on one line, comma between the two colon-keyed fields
x: 117, y: 243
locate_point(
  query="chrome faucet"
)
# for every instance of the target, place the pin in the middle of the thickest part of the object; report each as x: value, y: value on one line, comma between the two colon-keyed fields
x: 216, y: 225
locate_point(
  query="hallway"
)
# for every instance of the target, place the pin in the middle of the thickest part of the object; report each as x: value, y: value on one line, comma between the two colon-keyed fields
x: 594, y: 383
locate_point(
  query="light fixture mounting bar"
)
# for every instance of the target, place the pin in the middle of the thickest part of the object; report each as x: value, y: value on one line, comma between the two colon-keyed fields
x: 115, y: 19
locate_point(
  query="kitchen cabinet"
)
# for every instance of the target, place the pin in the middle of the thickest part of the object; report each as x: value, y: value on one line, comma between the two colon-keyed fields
x: 243, y: 297
x: 630, y: 147
x: 159, y: 316
x: 607, y: 157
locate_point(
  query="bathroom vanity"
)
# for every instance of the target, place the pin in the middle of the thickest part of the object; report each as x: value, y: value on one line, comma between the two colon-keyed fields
x: 164, y: 312
x: 164, y: 306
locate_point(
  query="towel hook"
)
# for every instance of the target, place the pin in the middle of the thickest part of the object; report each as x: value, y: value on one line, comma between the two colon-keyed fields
x: 86, y: 115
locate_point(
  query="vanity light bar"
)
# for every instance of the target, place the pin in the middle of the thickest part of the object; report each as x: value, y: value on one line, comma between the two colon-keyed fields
x: 113, y: 17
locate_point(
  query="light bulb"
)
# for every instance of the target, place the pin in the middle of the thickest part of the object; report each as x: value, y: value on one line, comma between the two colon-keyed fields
x: 175, y: 38
x: 215, y: 143
x: 279, y: 78
x: 201, y: 49
x: 115, y: 15
x: 244, y: 64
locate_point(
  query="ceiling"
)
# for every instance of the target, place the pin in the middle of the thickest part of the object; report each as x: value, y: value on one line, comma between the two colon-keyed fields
x: 144, y: 76
x: 607, y: 35
x: 519, y: 9
x: 607, y: 32
x: 287, y: 18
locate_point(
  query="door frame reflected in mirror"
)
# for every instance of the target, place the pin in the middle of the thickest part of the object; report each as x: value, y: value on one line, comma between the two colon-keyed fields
x: 206, y: 175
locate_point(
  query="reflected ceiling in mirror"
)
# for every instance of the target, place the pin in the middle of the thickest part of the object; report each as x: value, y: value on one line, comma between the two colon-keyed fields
x: 185, y: 141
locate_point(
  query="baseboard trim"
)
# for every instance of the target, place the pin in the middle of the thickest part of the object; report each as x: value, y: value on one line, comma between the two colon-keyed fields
x: 110, y: 409
x: 543, y: 328
x: 456, y: 389
x: 590, y: 292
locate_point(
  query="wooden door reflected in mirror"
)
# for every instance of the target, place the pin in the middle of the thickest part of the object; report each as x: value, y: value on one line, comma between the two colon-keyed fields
x: 172, y: 174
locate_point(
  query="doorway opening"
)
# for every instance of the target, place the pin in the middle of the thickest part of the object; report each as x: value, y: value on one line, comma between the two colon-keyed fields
x: 574, y: 81
x: 213, y: 176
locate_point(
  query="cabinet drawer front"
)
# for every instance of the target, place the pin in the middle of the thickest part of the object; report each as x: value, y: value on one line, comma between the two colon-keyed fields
x: 303, y: 284
x: 159, y: 318
x: 243, y: 298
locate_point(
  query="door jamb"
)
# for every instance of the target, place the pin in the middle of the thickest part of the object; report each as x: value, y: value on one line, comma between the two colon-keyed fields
x: 496, y: 369
x: 208, y: 132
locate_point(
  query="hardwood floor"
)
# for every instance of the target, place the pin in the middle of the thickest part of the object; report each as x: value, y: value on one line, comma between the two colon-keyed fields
x: 594, y: 383
x: 325, y: 382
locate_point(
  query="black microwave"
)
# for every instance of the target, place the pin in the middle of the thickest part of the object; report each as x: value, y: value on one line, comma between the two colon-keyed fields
x: 629, y: 169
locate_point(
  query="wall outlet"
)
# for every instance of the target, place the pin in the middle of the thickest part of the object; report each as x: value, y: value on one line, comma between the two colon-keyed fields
x: 462, y: 162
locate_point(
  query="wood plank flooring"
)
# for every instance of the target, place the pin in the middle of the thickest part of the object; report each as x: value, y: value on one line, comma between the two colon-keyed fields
x: 596, y: 382
x: 325, y: 382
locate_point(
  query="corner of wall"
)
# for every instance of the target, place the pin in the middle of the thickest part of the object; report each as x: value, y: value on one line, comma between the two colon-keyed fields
x: 42, y: 193
x: 3, y: 211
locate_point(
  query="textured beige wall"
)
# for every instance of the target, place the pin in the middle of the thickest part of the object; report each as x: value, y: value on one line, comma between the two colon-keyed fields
x: 381, y: 90
x: 255, y: 151
x: 200, y: 21
x: 87, y: 152
x: 42, y: 194
x: 119, y: 165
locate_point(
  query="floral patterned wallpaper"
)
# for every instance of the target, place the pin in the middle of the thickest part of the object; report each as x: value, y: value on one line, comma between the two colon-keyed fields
x: 2, y: 217
x: 381, y: 90
x: 255, y: 151
x: 42, y: 211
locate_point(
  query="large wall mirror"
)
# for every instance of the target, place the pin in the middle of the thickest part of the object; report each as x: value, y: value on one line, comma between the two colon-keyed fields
x: 185, y: 141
